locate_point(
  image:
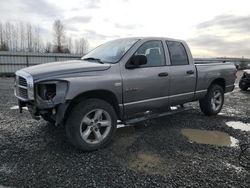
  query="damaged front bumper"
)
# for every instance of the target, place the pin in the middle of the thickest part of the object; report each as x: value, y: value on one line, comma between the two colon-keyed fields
x: 47, y: 99
x: 56, y: 113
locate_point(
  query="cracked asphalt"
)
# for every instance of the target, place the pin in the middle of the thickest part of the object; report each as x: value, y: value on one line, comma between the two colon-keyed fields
x: 151, y: 154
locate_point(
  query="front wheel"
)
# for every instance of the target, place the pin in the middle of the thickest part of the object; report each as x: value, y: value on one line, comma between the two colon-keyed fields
x: 212, y: 103
x: 91, y: 124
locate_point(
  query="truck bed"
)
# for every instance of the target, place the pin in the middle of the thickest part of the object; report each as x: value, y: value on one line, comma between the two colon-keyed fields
x: 207, y: 71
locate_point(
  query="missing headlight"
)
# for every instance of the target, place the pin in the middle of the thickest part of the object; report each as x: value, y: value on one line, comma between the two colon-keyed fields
x: 50, y: 93
x: 47, y: 91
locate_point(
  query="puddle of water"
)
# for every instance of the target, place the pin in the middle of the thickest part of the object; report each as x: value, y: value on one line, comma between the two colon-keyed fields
x: 239, y: 125
x: 16, y: 107
x: 210, y: 137
x: 123, y: 139
x: 121, y: 145
x: 146, y: 163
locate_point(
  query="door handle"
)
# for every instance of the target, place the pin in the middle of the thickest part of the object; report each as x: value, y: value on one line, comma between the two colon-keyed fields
x: 190, y: 72
x: 162, y: 74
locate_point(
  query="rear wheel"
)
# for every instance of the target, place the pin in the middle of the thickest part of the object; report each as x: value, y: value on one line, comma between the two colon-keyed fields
x: 243, y: 86
x: 212, y: 103
x: 91, y: 124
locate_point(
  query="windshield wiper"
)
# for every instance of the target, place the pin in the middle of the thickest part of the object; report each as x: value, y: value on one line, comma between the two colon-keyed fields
x: 93, y: 59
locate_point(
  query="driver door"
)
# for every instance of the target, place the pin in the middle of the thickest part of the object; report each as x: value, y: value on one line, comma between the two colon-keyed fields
x: 146, y: 88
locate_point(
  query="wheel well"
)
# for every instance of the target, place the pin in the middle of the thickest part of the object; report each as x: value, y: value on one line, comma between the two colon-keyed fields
x: 99, y: 94
x: 221, y: 82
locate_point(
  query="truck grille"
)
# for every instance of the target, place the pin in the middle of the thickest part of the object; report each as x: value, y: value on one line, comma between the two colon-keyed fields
x: 22, y: 81
x: 21, y: 88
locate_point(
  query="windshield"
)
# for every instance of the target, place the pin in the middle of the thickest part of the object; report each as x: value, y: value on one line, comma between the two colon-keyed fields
x: 111, y: 52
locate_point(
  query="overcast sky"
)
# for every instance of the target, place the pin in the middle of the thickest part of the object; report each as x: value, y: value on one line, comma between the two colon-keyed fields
x: 211, y: 27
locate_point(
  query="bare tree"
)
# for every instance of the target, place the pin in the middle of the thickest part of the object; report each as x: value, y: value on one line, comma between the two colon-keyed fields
x: 59, y: 35
x: 84, y: 45
x: 14, y: 28
x: 3, y: 42
x: 29, y: 37
x: 69, y: 44
x: 48, y: 47
x: 1, y: 35
x: 81, y: 46
x: 21, y: 37
x: 37, y: 39
x: 8, y: 35
x: 76, y: 46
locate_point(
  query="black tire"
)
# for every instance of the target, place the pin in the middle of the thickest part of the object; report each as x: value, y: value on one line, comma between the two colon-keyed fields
x: 243, y: 86
x: 75, y: 123
x: 206, y: 104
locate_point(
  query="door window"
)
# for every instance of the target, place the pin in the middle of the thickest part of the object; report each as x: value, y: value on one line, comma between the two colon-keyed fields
x: 178, y: 55
x: 154, y: 52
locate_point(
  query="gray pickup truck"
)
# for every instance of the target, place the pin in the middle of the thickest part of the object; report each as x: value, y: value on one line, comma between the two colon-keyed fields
x: 127, y: 79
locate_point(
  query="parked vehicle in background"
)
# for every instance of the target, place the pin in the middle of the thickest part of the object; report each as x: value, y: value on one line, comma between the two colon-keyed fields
x: 127, y: 79
x: 244, y: 83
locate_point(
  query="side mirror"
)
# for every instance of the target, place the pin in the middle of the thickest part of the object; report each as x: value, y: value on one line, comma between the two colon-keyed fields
x: 136, y: 61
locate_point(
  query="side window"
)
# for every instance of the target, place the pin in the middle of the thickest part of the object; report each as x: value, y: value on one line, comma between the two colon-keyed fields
x: 154, y: 52
x: 178, y: 55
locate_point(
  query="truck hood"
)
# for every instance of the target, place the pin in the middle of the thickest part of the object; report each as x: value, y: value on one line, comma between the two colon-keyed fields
x: 47, y: 70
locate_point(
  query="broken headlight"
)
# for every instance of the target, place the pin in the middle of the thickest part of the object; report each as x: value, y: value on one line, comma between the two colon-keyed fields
x: 50, y: 93
x: 46, y: 91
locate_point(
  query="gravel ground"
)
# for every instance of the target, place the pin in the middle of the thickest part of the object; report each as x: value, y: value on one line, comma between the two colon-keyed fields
x: 151, y: 154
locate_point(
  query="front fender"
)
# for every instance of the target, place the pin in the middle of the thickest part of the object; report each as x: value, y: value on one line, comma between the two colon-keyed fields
x: 81, y: 85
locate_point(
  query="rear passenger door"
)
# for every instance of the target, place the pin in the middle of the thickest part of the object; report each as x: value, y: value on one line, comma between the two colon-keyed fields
x: 182, y: 74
